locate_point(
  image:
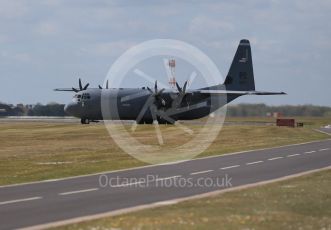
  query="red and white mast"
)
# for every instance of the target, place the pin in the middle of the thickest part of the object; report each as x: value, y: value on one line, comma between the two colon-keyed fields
x: 172, y: 77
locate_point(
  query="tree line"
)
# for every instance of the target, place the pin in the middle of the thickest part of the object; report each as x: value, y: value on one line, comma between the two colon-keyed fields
x: 51, y: 109
x: 239, y: 110
x: 250, y: 110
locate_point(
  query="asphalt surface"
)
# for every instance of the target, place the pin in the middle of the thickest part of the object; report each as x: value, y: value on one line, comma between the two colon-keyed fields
x: 326, y: 130
x: 45, y: 202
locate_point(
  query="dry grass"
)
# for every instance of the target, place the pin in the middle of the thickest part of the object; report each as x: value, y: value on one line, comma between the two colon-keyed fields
x: 311, y: 122
x: 31, y: 151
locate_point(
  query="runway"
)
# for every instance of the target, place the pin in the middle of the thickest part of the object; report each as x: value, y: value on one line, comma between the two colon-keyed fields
x: 45, y: 202
x: 325, y: 130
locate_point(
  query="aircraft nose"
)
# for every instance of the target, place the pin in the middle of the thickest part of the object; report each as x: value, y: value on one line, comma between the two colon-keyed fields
x: 70, y: 109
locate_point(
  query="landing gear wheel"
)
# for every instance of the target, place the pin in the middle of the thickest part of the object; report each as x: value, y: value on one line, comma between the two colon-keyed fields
x: 85, y: 121
x: 164, y: 121
x: 148, y: 122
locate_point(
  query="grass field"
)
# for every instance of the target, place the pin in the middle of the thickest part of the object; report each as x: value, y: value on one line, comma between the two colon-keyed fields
x: 32, y: 151
x: 309, y: 122
x: 299, y: 203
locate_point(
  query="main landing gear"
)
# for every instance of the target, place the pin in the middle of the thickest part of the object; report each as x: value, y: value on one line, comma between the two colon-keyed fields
x: 85, y: 121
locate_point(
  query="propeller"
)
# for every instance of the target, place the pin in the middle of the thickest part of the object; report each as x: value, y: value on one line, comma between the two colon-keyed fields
x: 157, y: 95
x: 180, y: 96
x: 182, y: 90
x: 154, y: 102
x: 81, y: 88
x: 100, y: 87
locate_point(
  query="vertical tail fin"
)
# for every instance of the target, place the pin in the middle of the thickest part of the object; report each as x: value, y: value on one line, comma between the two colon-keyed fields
x: 240, y: 76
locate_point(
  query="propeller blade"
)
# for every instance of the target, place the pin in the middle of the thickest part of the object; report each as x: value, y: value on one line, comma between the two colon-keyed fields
x: 184, y: 87
x: 161, y: 91
x: 75, y: 90
x: 86, y: 86
x: 153, y: 110
x: 100, y: 87
x: 149, y: 89
x: 166, y: 117
x: 178, y: 87
x: 147, y: 104
x: 180, y: 96
x: 80, y: 84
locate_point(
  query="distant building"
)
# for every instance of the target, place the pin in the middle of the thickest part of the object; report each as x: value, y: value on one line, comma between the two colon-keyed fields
x: 274, y: 114
x: 277, y: 114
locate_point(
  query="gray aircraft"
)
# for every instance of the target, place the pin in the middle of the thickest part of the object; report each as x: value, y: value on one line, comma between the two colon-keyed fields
x: 145, y: 105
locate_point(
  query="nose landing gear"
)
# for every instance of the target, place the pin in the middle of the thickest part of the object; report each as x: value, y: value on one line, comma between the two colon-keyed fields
x: 85, y: 121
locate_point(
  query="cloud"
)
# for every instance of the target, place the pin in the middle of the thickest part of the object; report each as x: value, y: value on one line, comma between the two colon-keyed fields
x: 80, y: 35
x: 47, y: 28
x: 13, y: 9
x: 17, y: 57
x: 3, y: 38
x: 205, y: 25
x: 112, y: 49
x: 312, y: 6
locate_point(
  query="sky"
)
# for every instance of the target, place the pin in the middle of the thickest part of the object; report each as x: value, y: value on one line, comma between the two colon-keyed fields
x: 50, y: 44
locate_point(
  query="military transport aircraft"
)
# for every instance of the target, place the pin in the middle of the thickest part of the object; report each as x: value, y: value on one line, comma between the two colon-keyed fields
x: 145, y: 105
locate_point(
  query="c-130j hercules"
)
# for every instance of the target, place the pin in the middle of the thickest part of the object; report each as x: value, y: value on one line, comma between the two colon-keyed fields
x: 145, y: 105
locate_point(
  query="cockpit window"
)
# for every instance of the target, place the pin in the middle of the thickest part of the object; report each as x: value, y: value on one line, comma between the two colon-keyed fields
x: 79, y: 97
x: 86, y: 96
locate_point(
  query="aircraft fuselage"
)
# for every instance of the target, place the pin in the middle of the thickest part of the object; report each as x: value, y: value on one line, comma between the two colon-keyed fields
x: 88, y: 104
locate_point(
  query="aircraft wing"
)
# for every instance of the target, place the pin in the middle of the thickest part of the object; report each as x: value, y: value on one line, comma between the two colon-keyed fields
x: 64, y: 89
x: 70, y: 89
x: 239, y: 92
x: 208, y: 91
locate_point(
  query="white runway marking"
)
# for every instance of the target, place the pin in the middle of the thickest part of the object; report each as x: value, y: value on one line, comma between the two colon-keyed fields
x: 167, y: 202
x: 167, y: 178
x: 275, y: 158
x: 324, y: 149
x: 20, y: 200
x: 201, y: 172
x: 311, y: 151
x: 230, y: 167
x: 78, y: 191
x: 255, y: 162
x: 51, y: 180
x: 54, y: 163
x: 128, y: 184
x: 293, y: 155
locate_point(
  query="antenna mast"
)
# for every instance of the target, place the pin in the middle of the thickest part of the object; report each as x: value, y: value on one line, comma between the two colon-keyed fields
x: 172, y: 66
